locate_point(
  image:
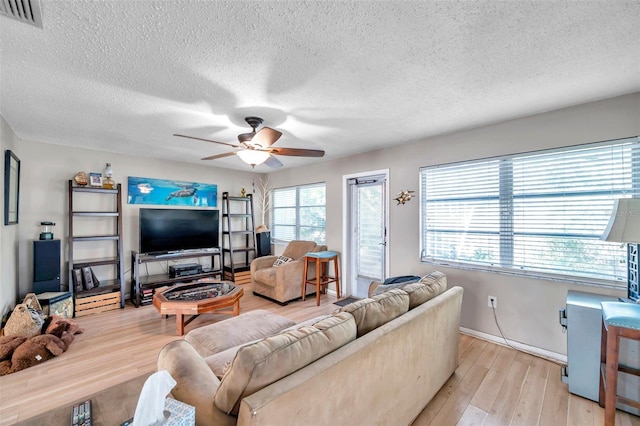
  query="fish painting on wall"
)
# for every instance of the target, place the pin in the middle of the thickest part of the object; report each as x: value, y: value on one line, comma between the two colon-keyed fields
x: 171, y: 192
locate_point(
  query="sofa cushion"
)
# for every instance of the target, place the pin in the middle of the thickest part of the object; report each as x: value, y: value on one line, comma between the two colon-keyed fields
x: 427, y: 288
x: 372, y: 312
x: 281, y: 260
x: 296, y: 249
x: 257, y: 365
x: 235, y: 331
x: 435, y: 278
x: 219, y: 363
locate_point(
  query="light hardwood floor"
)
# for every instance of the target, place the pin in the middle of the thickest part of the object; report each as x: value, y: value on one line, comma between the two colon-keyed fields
x: 493, y: 385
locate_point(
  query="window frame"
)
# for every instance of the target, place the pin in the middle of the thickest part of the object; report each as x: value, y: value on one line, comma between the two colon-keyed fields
x: 507, y: 239
x: 298, y: 226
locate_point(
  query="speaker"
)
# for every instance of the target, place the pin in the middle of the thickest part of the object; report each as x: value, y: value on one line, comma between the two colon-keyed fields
x: 46, y: 266
x: 264, y: 243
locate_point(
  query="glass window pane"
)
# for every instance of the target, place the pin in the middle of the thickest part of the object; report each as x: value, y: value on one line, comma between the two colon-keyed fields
x: 299, y: 213
x: 284, y: 197
x: 312, y: 196
x: 285, y: 216
x: 285, y: 233
x: 542, y: 212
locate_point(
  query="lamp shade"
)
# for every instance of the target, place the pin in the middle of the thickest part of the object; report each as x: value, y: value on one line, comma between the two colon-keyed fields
x: 253, y: 157
x: 108, y: 170
x: 624, y: 224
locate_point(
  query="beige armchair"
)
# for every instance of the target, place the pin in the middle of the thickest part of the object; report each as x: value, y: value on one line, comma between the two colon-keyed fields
x: 283, y: 283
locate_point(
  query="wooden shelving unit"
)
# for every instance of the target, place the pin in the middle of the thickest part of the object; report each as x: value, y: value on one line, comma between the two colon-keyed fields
x: 143, y: 286
x: 238, y: 237
x: 101, y: 298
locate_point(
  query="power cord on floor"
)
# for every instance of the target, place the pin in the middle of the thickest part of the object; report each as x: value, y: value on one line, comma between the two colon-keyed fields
x: 495, y: 317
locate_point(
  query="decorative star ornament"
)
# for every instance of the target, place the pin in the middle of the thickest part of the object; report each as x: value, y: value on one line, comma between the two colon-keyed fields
x: 404, y: 196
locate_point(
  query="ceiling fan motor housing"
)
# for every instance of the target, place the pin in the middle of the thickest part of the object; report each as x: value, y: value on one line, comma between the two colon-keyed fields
x: 254, y: 122
x: 246, y: 137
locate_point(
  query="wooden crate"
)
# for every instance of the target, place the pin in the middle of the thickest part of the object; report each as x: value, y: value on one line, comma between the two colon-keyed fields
x: 99, y: 303
x: 243, y: 277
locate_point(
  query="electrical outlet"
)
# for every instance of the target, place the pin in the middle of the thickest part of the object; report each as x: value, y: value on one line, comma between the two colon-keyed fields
x: 492, y: 302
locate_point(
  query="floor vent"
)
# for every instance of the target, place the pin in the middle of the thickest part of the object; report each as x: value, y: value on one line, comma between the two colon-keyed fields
x: 27, y: 11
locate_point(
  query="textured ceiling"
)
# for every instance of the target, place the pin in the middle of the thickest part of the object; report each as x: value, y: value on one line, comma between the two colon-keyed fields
x: 346, y: 77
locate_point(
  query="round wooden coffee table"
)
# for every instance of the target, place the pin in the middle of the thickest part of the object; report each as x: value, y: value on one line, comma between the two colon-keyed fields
x: 197, y: 298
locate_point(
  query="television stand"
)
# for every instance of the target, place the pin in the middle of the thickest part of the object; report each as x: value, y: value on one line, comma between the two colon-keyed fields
x: 143, y: 287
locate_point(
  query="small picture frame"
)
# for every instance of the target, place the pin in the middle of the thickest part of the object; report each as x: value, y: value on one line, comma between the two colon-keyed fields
x: 95, y: 179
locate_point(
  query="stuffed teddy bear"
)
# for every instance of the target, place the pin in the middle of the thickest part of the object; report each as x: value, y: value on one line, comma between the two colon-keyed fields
x: 56, y: 325
x: 20, y: 352
x: 37, y: 350
x: 8, y: 344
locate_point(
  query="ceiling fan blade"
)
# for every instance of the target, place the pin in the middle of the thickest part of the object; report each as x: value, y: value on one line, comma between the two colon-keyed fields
x: 297, y: 152
x: 266, y: 137
x: 214, y: 157
x: 207, y: 140
x: 273, y: 162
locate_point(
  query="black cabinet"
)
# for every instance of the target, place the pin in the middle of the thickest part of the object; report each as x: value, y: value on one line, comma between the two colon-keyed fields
x: 264, y: 243
x: 46, y: 266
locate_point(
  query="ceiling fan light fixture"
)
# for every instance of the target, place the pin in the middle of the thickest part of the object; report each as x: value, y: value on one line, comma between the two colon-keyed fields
x: 253, y: 157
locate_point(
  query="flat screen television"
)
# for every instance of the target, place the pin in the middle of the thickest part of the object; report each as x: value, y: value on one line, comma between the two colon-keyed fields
x: 175, y: 230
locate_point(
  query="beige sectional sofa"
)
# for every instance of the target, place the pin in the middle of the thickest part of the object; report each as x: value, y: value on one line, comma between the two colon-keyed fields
x: 377, y: 361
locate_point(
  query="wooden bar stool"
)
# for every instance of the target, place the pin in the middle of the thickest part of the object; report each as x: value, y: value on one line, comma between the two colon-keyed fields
x: 321, y: 281
x: 618, y: 320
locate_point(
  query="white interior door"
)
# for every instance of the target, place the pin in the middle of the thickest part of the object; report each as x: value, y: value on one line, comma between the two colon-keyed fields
x: 367, y: 230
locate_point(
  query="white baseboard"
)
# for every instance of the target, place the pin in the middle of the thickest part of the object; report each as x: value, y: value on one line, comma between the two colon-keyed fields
x: 532, y: 350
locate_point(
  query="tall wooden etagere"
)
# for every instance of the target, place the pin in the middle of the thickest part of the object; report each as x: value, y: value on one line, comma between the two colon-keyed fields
x: 108, y: 293
x: 238, y: 237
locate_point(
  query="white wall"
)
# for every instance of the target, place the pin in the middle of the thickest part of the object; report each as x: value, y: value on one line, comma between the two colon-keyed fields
x: 8, y: 234
x: 46, y: 170
x: 527, y: 308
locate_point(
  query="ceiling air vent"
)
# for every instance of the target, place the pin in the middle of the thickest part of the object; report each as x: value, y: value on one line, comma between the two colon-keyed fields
x: 27, y: 11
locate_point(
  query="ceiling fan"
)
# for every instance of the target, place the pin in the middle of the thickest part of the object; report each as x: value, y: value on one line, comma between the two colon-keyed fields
x: 255, y: 147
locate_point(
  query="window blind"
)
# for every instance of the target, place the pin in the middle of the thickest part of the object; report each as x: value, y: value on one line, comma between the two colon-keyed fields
x: 299, y: 213
x: 539, y: 213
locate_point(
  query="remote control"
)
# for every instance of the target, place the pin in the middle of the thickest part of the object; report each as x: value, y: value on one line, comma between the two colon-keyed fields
x: 81, y: 414
x: 74, y: 415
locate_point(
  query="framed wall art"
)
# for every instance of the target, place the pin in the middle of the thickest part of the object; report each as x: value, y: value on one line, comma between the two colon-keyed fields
x: 171, y: 192
x: 11, y: 187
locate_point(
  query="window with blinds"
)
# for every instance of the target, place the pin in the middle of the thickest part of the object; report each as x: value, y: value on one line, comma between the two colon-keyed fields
x: 540, y: 213
x: 298, y: 213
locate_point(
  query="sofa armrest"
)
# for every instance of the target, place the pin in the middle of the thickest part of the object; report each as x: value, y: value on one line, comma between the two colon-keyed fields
x: 262, y: 262
x: 196, y: 384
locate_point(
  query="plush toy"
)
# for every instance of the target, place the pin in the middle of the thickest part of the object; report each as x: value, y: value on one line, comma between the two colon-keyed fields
x: 39, y: 349
x: 20, y: 352
x: 8, y: 344
x: 56, y: 325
